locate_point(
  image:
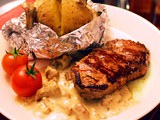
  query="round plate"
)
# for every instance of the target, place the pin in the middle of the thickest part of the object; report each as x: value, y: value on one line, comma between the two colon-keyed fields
x: 123, y: 24
x: 8, y: 6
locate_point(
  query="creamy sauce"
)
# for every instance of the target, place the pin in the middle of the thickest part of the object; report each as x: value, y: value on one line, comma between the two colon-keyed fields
x: 66, y: 103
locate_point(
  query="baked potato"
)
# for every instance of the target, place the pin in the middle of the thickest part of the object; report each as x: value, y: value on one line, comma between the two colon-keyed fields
x: 64, y: 16
x: 48, y: 13
x: 37, y: 3
x: 74, y: 14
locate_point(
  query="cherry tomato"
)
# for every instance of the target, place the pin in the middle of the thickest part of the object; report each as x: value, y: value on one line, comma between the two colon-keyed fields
x: 12, y: 60
x: 25, y: 81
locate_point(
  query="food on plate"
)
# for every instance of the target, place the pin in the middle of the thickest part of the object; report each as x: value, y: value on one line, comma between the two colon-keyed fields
x: 62, y: 62
x: 64, y: 16
x: 117, y: 99
x: 58, y: 95
x: 30, y: 12
x: 48, y: 13
x: 56, y: 87
x: 74, y: 14
x: 107, y: 69
x: 100, y: 76
x: 37, y: 3
x: 12, y: 60
x: 26, y: 80
x: 51, y: 88
x: 51, y: 73
x: 38, y: 37
x: 81, y: 112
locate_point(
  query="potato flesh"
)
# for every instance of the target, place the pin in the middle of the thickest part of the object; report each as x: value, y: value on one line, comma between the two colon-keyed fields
x: 37, y: 3
x: 48, y: 13
x: 73, y: 15
x: 63, y: 16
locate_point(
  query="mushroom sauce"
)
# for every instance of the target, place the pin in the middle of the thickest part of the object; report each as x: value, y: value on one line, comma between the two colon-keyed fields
x: 59, y: 97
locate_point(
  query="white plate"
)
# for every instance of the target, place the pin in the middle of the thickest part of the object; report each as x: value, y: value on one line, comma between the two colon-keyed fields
x: 124, y: 24
x: 8, y: 6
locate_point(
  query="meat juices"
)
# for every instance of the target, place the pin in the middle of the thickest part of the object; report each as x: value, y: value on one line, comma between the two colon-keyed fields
x: 107, y: 69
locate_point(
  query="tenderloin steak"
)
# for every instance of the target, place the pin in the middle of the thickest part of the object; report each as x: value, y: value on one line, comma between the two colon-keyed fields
x: 107, y: 69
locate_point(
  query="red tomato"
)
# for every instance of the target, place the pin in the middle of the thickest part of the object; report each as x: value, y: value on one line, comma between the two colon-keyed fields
x: 25, y: 82
x: 11, y: 61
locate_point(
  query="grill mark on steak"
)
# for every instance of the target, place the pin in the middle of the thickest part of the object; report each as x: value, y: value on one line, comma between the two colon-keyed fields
x: 120, y: 65
x: 98, y: 65
x: 78, y: 82
x: 106, y: 69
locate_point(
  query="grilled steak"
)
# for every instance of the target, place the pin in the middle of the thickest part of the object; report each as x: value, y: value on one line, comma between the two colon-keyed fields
x: 107, y: 69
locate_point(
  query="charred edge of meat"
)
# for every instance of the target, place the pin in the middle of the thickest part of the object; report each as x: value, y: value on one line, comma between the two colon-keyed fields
x: 79, y: 83
x: 82, y: 53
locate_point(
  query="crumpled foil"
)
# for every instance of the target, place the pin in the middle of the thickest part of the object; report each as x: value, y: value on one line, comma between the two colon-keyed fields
x: 45, y: 43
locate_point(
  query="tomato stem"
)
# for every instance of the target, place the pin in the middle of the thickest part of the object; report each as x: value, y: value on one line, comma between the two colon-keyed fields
x: 31, y: 71
x: 15, y: 52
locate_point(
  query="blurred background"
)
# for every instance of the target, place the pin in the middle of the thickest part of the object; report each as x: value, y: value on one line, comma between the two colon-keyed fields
x: 2, y: 2
x: 149, y: 9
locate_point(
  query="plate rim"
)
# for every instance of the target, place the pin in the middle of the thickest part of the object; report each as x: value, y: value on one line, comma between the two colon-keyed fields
x: 139, y: 17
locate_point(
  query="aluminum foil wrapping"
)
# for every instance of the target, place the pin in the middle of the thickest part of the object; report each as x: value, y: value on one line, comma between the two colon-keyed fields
x: 44, y: 42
